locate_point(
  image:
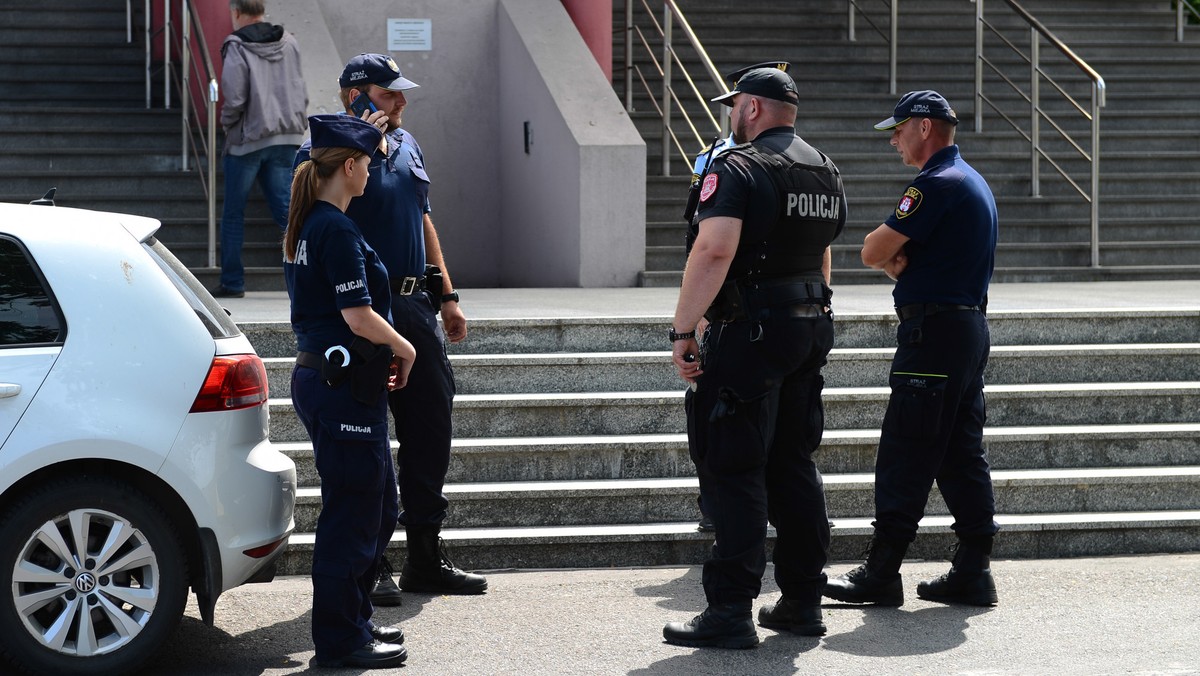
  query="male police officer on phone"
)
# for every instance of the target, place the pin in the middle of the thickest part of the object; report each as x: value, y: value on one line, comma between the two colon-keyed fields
x: 758, y: 271
x: 700, y: 168
x: 393, y: 214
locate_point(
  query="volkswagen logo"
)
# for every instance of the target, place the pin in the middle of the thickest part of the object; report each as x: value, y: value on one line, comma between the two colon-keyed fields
x: 85, y: 583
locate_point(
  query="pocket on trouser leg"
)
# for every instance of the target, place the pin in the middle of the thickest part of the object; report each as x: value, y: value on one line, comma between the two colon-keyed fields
x: 356, y: 461
x: 916, y: 405
x: 736, y: 432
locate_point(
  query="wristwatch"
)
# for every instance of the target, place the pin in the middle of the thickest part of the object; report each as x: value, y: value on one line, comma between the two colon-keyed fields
x: 680, y: 336
x: 452, y: 296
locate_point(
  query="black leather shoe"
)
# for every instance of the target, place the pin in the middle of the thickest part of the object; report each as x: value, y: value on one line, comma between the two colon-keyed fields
x: 374, y: 655
x: 970, y: 588
x: 787, y: 615
x: 876, y: 581
x: 219, y: 291
x: 706, y: 524
x: 726, y: 625
x: 393, y: 635
x: 385, y: 593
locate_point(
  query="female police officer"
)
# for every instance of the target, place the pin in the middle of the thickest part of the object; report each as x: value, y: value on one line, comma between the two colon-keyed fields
x: 349, y: 356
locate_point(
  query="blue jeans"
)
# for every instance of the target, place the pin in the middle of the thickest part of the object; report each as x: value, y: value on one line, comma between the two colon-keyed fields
x: 272, y: 166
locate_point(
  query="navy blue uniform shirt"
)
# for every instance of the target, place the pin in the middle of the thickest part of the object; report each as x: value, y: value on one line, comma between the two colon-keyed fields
x: 391, y: 211
x: 334, y: 269
x: 949, y: 214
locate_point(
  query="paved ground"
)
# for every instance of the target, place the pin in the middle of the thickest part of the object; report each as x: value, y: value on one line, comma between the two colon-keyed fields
x: 1122, y: 615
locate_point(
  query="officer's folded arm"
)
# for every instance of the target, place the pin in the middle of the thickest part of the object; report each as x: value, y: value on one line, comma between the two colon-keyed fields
x: 366, y: 323
x: 883, y: 249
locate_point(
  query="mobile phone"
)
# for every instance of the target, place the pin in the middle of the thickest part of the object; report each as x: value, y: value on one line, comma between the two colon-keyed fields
x: 361, y: 104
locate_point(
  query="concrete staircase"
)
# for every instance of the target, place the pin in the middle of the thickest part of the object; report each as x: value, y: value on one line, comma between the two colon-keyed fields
x: 1149, y: 146
x: 569, y: 448
x: 73, y: 116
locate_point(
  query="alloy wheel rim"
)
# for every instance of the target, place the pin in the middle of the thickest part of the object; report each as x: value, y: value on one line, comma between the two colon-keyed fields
x: 85, y: 583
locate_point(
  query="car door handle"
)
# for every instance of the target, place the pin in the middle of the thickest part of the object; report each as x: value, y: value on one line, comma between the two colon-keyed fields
x: 9, y: 390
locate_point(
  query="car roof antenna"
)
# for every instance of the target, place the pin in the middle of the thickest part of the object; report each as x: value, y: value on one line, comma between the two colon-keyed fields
x: 47, y: 200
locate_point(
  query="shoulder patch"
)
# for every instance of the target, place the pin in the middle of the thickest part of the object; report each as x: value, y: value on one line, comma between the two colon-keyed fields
x: 909, y: 202
x: 709, y: 187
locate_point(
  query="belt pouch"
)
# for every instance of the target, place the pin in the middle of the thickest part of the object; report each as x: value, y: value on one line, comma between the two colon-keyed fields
x: 368, y: 377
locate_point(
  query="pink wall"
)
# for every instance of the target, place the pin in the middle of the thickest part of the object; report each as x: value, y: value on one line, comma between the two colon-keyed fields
x: 594, y: 21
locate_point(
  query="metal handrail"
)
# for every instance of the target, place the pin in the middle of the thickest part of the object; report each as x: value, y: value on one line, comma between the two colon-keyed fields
x: 1036, y: 113
x: 891, y: 37
x: 165, y: 31
x: 208, y: 137
x: 671, y: 15
x: 1179, y: 22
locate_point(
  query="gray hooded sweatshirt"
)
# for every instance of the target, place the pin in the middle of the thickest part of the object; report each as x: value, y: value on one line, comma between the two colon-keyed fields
x: 265, y: 101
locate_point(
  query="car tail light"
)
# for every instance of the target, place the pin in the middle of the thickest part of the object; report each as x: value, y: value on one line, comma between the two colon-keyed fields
x: 259, y: 552
x: 233, y: 382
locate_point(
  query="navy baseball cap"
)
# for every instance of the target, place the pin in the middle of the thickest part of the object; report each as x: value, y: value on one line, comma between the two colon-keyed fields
x: 924, y: 103
x: 377, y: 69
x: 769, y: 83
x: 344, y: 131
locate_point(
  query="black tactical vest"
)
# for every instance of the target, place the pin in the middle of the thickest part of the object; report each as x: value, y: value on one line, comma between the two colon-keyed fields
x: 808, y: 215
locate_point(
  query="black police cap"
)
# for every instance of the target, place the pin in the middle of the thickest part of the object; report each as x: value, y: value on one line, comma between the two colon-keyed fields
x: 777, y: 65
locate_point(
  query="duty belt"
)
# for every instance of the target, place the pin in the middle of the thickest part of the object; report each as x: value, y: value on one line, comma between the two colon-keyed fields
x: 906, y: 312
x: 310, y: 360
x: 407, y: 286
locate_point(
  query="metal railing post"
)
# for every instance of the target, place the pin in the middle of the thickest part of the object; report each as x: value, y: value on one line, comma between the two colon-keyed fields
x: 213, y: 92
x: 1096, y: 100
x: 1034, y: 115
x: 850, y: 21
x: 892, y: 47
x: 1179, y: 20
x: 978, y: 66
x: 148, y: 54
x: 184, y: 84
x: 666, y: 92
x: 629, y: 56
x: 166, y: 54
x: 129, y: 21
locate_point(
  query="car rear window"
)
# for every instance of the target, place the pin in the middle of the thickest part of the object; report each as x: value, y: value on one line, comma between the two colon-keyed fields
x: 213, y: 316
x: 28, y: 314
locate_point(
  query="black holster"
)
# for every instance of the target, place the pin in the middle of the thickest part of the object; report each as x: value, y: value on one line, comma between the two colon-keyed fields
x: 368, y: 370
x: 435, y: 283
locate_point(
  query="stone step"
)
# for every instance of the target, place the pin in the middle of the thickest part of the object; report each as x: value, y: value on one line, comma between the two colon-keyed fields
x: 678, y: 543
x: 648, y: 456
x: 1008, y: 254
x: 649, y: 371
x: 1014, y: 275
x: 638, y: 501
x: 853, y: 330
x: 599, y: 413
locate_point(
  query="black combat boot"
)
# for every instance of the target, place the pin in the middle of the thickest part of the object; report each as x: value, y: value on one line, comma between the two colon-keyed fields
x: 794, y: 616
x: 970, y: 578
x: 385, y: 593
x: 723, y: 625
x: 429, y: 570
x: 876, y: 581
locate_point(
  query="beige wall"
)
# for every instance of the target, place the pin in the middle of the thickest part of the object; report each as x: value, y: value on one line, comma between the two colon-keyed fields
x: 570, y: 213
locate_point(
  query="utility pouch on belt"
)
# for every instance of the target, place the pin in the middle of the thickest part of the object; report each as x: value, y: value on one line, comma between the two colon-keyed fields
x: 434, y: 284
x: 369, y: 378
x: 366, y: 365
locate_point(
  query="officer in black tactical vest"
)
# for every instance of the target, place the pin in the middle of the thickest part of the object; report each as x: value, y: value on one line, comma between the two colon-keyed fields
x: 758, y: 272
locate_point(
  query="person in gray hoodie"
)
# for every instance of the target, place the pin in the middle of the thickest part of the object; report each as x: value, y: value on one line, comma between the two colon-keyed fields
x: 264, y: 114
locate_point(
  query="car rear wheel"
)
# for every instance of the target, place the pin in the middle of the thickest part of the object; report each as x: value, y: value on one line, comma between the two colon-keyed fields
x: 93, y: 579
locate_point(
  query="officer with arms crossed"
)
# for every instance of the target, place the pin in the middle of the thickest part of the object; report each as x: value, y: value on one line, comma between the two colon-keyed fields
x: 759, y: 272
x: 393, y: 215
x: 939, y: 245
x: 339, y: 306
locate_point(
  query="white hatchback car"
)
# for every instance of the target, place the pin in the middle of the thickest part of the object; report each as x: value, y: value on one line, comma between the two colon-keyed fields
x: 134, y: 460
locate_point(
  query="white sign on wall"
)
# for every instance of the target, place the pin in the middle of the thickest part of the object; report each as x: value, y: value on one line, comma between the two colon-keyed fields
x: 410, y: 35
